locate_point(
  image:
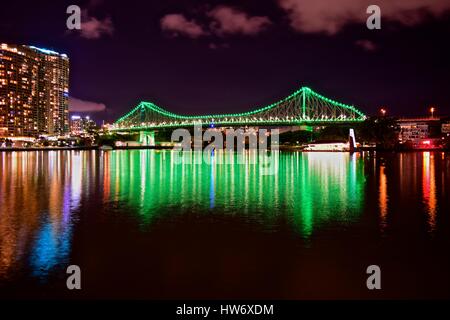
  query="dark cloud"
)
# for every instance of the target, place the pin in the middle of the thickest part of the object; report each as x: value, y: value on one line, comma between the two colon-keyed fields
x: 228, y: 20
x: 366, y: 45
x: 77, y: 105
x: 93, y: 28
x: 330, y: 16
x: 179, y: 24
x: 225, y: 20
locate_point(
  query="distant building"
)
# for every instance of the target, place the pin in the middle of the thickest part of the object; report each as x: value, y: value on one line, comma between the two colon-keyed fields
x: 34, y: 91
x: 76, y: 125
x: 420, y: 133
x: 445, y: 128
x: 79, y: 125
x: 413, y: 131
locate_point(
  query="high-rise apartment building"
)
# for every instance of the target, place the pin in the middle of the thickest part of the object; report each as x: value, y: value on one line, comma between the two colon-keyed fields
x: 80, y: 125
x: 34, y: 91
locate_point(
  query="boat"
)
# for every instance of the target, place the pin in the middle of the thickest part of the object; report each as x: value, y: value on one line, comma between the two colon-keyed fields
x: 335, y: 146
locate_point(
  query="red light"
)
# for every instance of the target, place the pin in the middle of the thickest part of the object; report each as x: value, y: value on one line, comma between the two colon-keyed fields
x: 427, y: 142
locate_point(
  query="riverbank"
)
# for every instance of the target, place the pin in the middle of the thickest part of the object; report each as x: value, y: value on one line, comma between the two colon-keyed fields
x: 281, y: 148
x: 83, y: 148
x: 49, y: 149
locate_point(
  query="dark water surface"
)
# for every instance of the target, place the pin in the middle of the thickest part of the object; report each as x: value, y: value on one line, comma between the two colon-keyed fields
x: 141, y: 225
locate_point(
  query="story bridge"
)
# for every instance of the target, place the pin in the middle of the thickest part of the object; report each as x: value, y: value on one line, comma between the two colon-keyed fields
x: 303, y: 107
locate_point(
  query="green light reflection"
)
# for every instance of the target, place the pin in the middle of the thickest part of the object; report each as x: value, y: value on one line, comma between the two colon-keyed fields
x: 309, y: 189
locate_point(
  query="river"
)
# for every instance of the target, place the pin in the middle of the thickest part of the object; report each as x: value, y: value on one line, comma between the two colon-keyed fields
x: 141, y: 225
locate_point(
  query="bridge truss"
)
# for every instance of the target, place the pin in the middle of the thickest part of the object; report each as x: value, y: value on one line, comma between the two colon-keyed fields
x: 303, y: 107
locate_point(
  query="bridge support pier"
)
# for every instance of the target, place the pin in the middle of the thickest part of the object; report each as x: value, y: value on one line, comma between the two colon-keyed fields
x: 147, y: 138
x: 307, y: 128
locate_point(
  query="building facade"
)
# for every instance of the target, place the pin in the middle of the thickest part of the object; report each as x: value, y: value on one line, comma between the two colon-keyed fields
x: 445, y: 128
x: 420, y: 133
x: 79, y: 125
x: 413, y: 131
x: 34, y: 91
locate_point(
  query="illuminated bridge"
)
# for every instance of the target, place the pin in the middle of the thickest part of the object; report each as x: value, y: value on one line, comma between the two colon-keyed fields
x: 303, y: 107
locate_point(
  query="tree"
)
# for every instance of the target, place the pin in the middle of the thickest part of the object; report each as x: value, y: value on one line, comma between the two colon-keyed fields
x: 380, y: 130
x: 294, y: 137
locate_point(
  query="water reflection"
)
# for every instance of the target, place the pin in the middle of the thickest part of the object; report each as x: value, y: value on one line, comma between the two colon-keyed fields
x: 42, y: 194
x: 383, y: 198
x: 307, y: 188
x: 38, y: 193
x: 429, y: 188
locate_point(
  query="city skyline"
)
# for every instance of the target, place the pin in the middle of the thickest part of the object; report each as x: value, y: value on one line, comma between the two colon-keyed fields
x: 402, y: 67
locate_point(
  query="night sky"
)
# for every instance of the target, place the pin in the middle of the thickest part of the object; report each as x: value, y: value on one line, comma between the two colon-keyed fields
x: 194, y: 57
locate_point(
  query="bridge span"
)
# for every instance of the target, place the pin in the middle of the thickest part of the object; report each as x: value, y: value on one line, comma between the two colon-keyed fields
x: 303, y: 107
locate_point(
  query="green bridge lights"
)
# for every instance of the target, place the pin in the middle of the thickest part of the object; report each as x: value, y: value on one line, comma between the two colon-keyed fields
x: 301, y: 107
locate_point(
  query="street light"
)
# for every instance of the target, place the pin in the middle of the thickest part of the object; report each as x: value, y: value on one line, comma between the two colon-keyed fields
x: 383, y: 111
x: 432, y: 109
